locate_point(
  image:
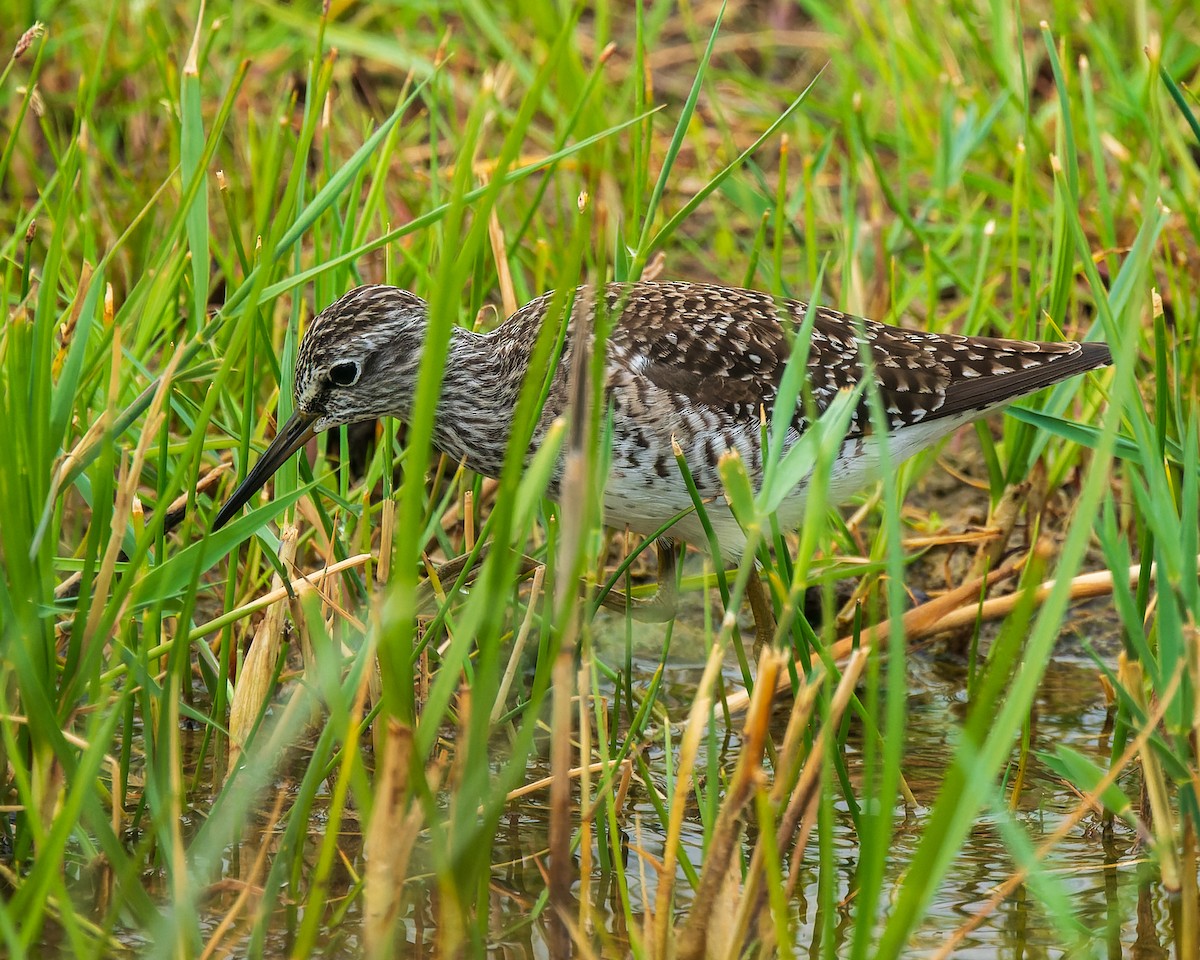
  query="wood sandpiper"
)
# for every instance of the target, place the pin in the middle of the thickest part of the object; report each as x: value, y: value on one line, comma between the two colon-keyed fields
x: 691, y: 362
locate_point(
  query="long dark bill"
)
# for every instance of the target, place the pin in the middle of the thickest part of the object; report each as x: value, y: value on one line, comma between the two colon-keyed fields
x: 295, y: 433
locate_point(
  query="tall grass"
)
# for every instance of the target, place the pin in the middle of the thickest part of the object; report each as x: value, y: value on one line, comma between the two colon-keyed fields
x: 310, y: 731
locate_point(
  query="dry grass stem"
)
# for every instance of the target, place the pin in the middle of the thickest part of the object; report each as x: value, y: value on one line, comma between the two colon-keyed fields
x: 390, y: 836
x: 693, y: 731
x: 307, y: 581
x: 514, y: 658
x: 253, y: 686
x: 721, y: 877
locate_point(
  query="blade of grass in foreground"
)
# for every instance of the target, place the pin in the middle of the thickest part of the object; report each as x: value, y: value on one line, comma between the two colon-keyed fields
x: 992, y: 724
x: 681, y: 128
x: 442, y: 309
x: 191, y: 152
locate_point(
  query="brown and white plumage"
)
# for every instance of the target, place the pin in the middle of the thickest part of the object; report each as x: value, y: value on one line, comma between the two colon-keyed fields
x: 693, y: 362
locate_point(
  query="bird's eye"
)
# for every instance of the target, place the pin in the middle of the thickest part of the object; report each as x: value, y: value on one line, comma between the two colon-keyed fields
x: 344, y: 374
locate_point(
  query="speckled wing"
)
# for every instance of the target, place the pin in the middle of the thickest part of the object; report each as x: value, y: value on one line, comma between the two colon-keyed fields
x: 718, y: 348
x: 725, y: 349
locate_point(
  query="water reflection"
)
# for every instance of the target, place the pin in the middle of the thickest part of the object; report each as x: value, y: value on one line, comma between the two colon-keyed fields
x: 1111, y: 890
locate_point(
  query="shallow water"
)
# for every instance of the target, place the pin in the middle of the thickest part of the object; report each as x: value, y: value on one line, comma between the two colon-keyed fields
x: 1112, y: 890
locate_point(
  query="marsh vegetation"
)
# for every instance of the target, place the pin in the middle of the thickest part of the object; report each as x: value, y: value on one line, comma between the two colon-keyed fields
x: 319, y: 732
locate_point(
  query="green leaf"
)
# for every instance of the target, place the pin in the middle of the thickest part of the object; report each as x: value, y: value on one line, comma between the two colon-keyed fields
x: 68, y: 379
x: 536, y: 477
x: 1088, y: 436
x: 737, y: 488
x: 173, y: 576
x: 191, y: 160
x: 798, y: 463
x: 681, y: 129
x: 1082, y: 773
x: 1180, y: 102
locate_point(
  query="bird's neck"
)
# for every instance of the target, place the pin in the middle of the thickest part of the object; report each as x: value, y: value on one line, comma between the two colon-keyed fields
x: 480, y: 386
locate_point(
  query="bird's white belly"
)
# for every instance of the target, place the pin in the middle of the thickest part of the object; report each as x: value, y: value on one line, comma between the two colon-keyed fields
x: 629, y: 503
x: 634, y: 501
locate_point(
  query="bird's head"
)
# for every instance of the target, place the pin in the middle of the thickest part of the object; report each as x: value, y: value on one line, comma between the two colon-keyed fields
x: 358, y: 360
x: 359, y: 357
